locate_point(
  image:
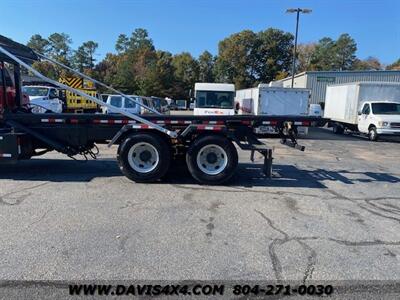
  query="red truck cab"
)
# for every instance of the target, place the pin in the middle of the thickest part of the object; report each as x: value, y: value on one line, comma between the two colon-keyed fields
x: 7, y: 90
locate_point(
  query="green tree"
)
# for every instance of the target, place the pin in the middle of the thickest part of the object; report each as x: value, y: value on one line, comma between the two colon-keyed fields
x: 273, y: 54
x: 237, y: 58
x: 247, y: 58
x: 371, y: 63
x: 305, y: 53
x: 163, y: 75
x: 140, y: 40
x: 47, y: 69
x: 345, y: 49
x: 206, y: 63
x: 122, y: 44
x: 323, y: 58
x: 84, y: 56
x: 394, y: 66
x: 59, y: 47
x: 39, y: 44
x: 134, y: 65
x: 60, y: 50
x: 334, y: 55
x: 186, y: 74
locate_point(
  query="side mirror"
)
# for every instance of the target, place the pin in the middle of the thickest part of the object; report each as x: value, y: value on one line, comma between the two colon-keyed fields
x: 359, y: 113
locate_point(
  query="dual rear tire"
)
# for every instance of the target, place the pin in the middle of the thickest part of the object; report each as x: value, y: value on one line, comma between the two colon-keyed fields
x: 146, y: 157
x: 212, y: 159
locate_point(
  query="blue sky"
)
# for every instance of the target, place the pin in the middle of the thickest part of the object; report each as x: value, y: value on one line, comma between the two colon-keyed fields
x: 198, y: 25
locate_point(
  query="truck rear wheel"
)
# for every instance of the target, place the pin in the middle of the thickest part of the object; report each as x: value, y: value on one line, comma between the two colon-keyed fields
x: 212, y: 159
x: 338, y: 129
x: 144, y: 157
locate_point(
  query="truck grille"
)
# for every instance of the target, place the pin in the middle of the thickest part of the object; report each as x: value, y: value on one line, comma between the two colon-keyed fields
x: 395, y: 125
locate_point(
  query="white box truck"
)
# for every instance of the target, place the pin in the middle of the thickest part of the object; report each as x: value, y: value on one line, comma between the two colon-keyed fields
x: 273, y: 101
x: 371, y: 108
x: 214, y: 99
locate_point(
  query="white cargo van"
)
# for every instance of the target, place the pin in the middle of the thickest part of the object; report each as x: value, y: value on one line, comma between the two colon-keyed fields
x: 371, y: 108
x: 272, y: 101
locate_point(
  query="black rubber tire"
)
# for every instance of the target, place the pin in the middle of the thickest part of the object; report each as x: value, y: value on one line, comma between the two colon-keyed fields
x: 231, y: 153
x: 338, y: 129
x: 162, y: 148
x: 372, y: 134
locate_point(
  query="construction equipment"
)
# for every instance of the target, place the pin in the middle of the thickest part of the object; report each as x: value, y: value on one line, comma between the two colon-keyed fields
x: 76, y: 103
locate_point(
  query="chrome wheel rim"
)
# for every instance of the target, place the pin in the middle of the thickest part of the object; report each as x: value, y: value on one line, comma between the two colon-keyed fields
x: 212, y: 159
x: 143, y: 157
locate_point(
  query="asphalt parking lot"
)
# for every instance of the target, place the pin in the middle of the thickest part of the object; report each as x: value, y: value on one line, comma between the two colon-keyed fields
x: 330, y: 213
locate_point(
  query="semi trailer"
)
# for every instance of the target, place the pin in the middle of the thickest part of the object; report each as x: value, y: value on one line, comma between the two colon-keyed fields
x: 273, y: 101
x: 370, y: 108
x: 147, y: 145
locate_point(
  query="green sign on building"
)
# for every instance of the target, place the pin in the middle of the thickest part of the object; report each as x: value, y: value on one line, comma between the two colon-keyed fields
x: 326, y: 79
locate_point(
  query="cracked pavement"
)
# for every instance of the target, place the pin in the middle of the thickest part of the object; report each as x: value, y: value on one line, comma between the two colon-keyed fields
x: 330, y: 213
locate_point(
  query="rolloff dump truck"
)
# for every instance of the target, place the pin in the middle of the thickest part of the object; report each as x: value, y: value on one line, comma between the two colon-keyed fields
x: 147, y: 145
x: 273, y: 101
x: 371, y: 108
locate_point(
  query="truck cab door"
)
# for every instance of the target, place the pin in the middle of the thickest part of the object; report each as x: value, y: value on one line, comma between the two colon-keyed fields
x: 54, y: 102
x: 363, y: 118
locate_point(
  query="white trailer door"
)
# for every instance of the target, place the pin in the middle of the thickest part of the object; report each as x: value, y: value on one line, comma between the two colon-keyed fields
x: 283, y: 102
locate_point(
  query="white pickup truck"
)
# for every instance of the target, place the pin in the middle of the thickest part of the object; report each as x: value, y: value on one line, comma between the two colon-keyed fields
x: 371, y: 108
x: 44, y: 99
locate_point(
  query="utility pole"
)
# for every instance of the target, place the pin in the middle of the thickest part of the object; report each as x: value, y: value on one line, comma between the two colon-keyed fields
x: 297, y: 11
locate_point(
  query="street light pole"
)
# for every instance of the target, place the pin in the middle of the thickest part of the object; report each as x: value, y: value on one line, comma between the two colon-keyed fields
x: 297, y: 11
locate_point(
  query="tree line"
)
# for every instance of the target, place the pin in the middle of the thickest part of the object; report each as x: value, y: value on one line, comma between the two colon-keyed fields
x: 245, y: 58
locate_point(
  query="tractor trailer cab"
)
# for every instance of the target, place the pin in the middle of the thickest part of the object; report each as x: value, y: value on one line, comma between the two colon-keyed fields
x: 214, y: 99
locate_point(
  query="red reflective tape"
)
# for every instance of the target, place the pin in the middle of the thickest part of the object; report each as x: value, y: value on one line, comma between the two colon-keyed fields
x: 273, y: 122
x: 246, y: 122
x: 74, y: 121
x: 96, y: 121
x: 306, y: 123
x: 201, y: 127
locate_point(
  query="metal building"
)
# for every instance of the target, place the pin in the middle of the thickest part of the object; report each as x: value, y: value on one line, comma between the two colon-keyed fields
x: 317, y: 81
